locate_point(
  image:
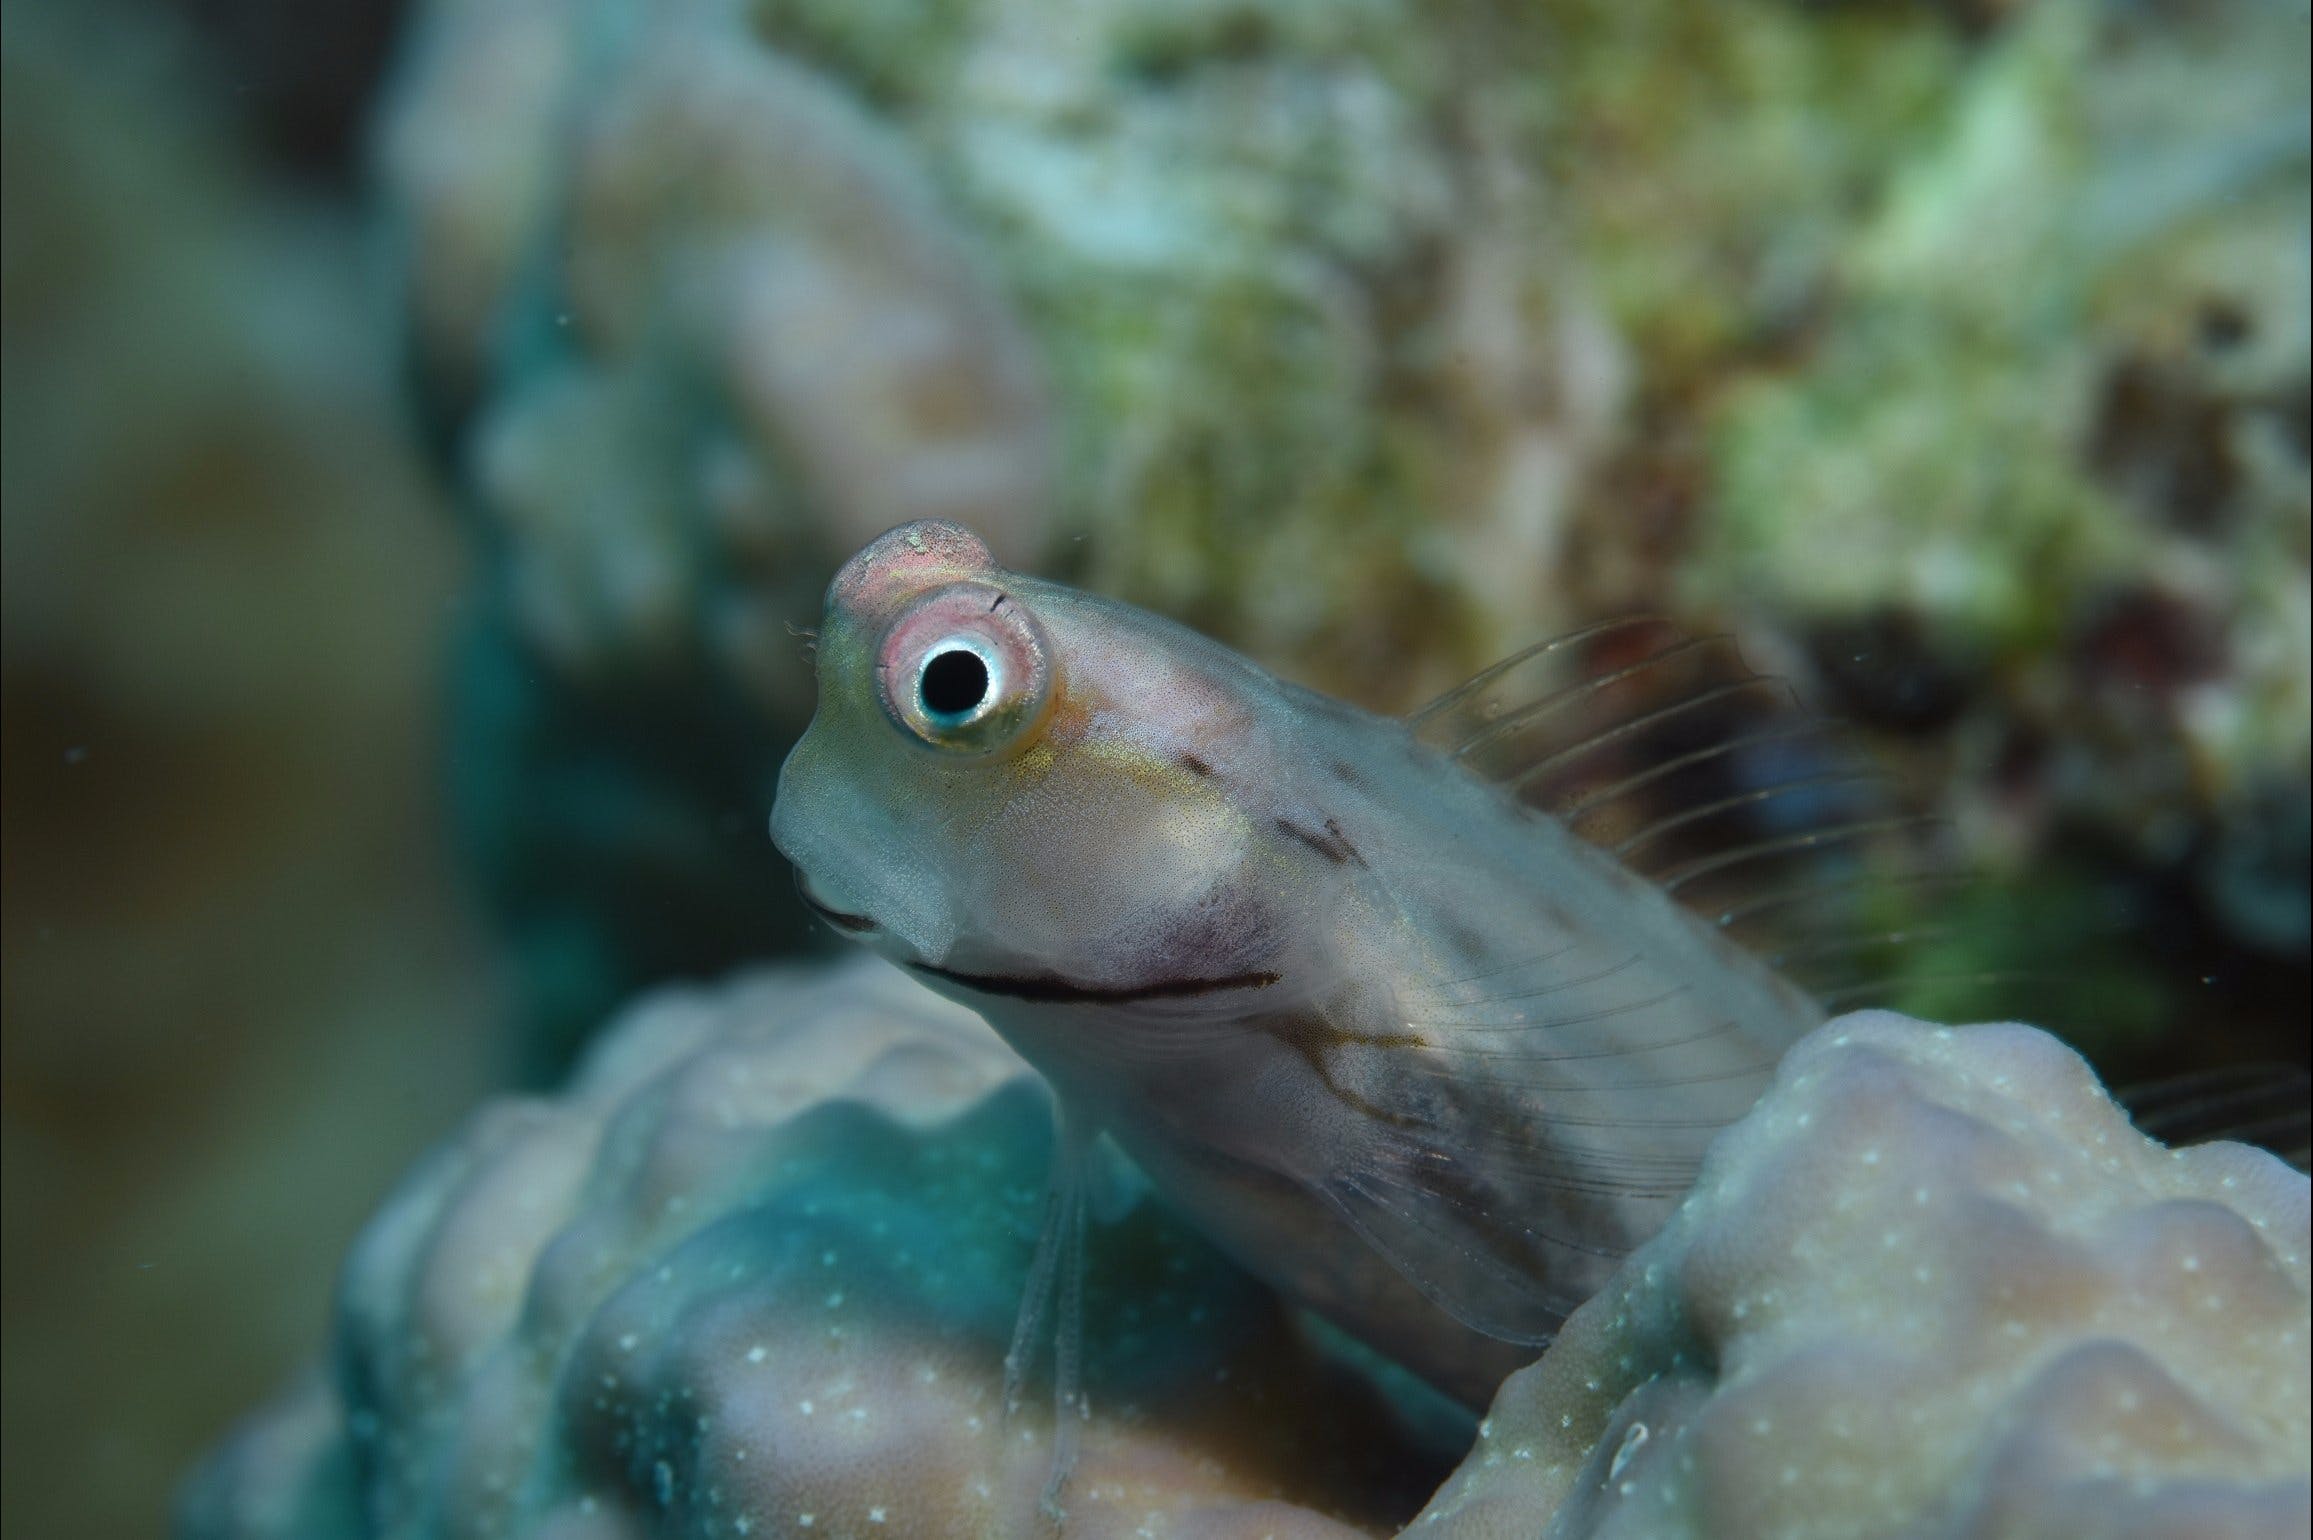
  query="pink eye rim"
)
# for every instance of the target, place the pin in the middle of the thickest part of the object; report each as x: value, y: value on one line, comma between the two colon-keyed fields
x: 965, y: 670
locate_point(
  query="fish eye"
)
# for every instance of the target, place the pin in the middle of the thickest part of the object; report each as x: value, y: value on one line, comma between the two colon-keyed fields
x: 955, y: 681
x: 966, y: 669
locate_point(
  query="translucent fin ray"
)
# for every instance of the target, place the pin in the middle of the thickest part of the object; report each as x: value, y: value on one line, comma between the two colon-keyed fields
x: 1702, y: 775
x: 2261, y: 1104
x: 1057, y: 1269
x: 1483, y: 1291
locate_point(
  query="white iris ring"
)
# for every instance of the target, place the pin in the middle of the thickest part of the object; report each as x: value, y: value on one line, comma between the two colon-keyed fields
x: 989, y: 696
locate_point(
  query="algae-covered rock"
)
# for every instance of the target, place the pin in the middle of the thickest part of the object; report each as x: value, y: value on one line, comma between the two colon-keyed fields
x: 2051, y: 411
x: 1935, y: 1285
x: 1955, y: 356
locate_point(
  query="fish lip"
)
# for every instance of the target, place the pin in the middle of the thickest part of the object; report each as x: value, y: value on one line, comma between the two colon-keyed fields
x: 841, y: 919
x: 1055, y: 989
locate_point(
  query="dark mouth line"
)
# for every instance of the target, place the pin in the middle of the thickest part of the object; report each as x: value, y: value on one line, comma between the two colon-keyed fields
x: 857, y: 924
x: 1062, y: 991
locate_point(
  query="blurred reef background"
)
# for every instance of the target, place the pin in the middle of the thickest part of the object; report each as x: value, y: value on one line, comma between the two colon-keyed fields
x: 427, y: 428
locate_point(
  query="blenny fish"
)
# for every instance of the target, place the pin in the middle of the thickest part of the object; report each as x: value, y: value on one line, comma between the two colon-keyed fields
x: 1426, y: 1021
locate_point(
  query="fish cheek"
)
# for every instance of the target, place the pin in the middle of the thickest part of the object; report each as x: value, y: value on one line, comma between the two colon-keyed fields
x: 1231, y: 928
x: 1083, y: 871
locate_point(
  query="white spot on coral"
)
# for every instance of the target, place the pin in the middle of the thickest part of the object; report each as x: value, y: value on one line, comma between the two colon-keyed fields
x: 1626, y: 1451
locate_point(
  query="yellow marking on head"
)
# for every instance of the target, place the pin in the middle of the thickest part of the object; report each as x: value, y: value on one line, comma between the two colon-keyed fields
x: 1161, y: 776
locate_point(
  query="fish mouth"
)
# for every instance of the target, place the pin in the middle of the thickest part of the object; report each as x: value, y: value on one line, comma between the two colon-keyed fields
x: 841, y: 919
x: 1052, y: 989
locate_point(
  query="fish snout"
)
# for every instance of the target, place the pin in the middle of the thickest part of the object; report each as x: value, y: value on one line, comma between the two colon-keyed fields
x: 792, y: 830
x: 850, y: 922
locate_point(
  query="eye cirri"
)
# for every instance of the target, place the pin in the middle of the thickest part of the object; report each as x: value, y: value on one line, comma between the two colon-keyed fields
x: 966, y: 670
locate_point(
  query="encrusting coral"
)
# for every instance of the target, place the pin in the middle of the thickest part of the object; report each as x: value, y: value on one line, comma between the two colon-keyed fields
x: 688, y: 323
x: 1933, y: 1285
x: 757, y: 341
x: 753, y: 1275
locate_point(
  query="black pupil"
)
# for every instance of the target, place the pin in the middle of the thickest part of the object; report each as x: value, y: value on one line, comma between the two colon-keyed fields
x: 954, y: 683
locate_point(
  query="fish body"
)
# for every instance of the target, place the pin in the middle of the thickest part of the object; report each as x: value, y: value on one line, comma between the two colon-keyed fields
x: 1417, y: 1054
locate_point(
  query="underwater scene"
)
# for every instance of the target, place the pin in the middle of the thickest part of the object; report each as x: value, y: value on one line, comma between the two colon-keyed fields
x: 1156, y: 769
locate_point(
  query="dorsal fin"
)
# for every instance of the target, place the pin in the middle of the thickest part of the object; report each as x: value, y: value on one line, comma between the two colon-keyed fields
x: 1671, y: 753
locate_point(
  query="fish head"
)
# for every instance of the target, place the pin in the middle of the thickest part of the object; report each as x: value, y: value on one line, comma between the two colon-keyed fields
x: 1005, y: 776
